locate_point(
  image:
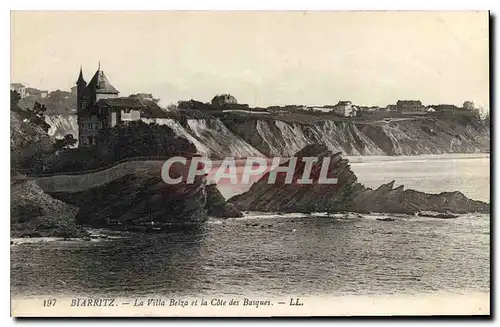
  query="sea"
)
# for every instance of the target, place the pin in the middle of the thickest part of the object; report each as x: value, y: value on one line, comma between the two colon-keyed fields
x: 285, y: 254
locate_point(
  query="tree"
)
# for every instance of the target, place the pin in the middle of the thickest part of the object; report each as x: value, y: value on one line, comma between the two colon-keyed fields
x: 39, y: 109
x: 38, y: 118
x: 59, y: 96
x: 14, y: 100
x: 65, y: 142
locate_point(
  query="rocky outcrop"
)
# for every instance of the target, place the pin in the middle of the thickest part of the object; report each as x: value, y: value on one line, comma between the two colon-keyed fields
x: 217, y: 206
x: 142, y: 200
x: 35, y: 213
x: 62, y: 125
x: 347, y: 194
x: 139, y: 199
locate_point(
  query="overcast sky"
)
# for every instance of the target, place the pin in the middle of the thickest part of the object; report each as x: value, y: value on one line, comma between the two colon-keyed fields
x: 262, y: 58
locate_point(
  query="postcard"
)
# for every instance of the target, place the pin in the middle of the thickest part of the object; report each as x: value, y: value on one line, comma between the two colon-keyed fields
x: 249, y: 163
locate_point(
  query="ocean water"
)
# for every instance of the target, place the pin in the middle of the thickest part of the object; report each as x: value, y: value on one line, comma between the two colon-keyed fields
x: 291, y: 254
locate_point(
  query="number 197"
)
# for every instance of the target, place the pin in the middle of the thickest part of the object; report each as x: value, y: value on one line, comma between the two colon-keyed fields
x: 49, y: 303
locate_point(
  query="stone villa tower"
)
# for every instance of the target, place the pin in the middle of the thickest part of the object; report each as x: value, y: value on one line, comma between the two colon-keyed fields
x: 90, y: 119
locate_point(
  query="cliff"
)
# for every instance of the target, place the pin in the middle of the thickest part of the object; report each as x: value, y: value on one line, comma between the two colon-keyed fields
x: 35, y: 213
x: 136, y: 200
x: 130, y: 194
x: 347, y: 194
x: 29, y: 143
x: 61, y: 125
x: 246, y: 136
x: 217, y: 206
x: 32, y: 211
x: 412, y: 136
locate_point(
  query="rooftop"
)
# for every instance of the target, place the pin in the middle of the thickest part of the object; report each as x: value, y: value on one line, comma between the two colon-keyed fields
x: 148, y: 108
x: 101, y: 83
x: 123, y: 102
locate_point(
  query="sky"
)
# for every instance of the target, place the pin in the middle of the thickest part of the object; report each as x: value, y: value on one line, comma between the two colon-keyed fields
x: 262, y: 58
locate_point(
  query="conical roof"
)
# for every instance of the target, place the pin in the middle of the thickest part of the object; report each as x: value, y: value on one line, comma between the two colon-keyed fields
x: 80, y: 77
x: 101, y: 84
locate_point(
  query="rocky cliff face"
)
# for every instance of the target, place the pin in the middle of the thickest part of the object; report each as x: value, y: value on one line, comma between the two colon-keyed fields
x: 35, y: 213
x: 347, y: 194
x: 136, y: 200
x: 61, y: 125
x: 247, y: 137
x: 217, y: 206
x: 398, y: 137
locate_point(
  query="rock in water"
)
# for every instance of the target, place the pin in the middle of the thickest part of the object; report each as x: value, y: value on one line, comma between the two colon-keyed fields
x: 138, y: 199
x: 141, y: 198
x: 347, y: 194
x: 217, y: 206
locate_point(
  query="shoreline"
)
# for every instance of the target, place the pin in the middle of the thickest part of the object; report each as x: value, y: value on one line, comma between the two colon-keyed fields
x: 102, y: 234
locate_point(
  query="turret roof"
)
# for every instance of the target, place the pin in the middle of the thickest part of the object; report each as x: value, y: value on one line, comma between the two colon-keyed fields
x: 101, y: 84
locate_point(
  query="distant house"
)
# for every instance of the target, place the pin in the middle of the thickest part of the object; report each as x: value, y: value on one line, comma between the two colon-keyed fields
x: 468, y: 105
x: 367, y: 110
x: 320, y: 108
x: 36, y: 93
x: 223, y: 100
x: 343, y: 108
x: 391, y: 107
x: 410, y: 107
x: 445, y: 108
x: 19, y: 88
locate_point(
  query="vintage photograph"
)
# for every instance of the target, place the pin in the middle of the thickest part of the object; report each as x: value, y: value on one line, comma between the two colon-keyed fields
x: 249, y: 163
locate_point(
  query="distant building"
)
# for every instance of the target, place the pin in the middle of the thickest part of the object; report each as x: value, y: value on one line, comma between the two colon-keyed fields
x: 445, y: 108
x: 367, y: 110
x: 343, y: 108
x: 468, y: 105
x: 19, y: 88
x: 410, y: 107
x: 391, y: 107
x: 319, y: 108
x: 222, y: 100
x: 36, y: 93
x: 99, y: 107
